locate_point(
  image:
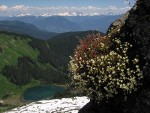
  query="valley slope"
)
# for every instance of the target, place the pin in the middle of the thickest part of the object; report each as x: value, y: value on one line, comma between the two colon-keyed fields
x: 20, y: 67
x: 26, y: 62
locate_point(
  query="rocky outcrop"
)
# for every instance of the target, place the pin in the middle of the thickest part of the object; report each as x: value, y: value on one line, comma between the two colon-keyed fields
x: 64, y: 105
x: 133, y: 27
x: 136, y: 30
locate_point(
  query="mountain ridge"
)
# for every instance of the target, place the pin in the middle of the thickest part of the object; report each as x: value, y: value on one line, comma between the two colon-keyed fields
x: 62, y: 24
x: 25, y: 28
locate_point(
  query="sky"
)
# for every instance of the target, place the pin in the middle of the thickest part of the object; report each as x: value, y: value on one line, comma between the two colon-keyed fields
x: 41, y: 7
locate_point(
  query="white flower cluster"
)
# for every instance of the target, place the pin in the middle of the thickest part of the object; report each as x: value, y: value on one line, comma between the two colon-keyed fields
x: 105, y: 75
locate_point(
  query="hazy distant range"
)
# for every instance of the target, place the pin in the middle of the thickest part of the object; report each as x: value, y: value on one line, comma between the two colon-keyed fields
x: 53, y: 25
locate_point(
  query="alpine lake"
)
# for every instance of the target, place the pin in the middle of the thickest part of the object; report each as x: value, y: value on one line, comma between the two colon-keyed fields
x: 42, y: 92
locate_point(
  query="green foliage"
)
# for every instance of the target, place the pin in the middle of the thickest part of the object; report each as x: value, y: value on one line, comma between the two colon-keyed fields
x: 20, y: 63
x: 14, y: 46
x: 20, y: 74
x: 102, y: 69
x: 6, y: 87
x: 26, y: 69
x: 29, y: 59
x: 64, y: 44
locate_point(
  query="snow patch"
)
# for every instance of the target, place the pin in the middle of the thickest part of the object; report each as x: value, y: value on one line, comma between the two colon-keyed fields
x: 64, y: 105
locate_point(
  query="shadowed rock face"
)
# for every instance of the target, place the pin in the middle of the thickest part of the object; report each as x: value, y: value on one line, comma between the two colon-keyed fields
x: 136, y: 30
x: 133, y: 27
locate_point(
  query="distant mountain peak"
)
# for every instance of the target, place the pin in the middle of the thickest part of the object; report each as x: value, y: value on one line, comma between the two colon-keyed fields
x: 23, y: 14
x: 75, y: 13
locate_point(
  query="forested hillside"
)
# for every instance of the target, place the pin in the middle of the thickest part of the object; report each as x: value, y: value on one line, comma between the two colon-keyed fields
x: 20, y: 62
x: 25, y: 59
x: 65, y: 44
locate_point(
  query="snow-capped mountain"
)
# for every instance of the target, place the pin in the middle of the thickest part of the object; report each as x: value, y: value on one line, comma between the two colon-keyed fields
x: 64, y: 105
x: 68, y: 14
x: 23, y: 14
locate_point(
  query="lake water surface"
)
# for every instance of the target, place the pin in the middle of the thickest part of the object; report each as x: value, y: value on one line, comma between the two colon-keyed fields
x: 42, y: 92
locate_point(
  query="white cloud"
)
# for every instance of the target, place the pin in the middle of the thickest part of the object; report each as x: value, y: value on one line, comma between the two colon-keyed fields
x: 3, y: 8
x: 19, y: 7
x: 62, y: 10
x: 112, y: 8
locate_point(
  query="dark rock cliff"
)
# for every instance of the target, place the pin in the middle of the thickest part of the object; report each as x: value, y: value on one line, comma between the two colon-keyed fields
x: 133, y: 27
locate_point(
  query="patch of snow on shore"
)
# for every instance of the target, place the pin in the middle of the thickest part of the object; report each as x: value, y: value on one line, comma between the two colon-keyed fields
x: 64, y: 105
